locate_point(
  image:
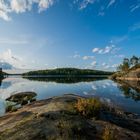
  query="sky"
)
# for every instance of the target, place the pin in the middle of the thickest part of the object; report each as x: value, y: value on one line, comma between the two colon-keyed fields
x: 44, y: 34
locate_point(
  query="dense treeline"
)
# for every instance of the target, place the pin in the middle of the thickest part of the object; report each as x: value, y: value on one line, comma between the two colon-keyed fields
x: 67, y: 71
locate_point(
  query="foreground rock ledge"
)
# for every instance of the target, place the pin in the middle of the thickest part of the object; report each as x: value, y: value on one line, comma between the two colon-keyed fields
x: 53, y: 119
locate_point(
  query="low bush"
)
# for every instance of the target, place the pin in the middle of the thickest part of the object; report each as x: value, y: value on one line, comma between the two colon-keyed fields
x: 108, y: 134
x: 88, y: 107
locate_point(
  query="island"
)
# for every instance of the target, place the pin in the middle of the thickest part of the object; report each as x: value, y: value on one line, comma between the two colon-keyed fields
x: 68, y: 72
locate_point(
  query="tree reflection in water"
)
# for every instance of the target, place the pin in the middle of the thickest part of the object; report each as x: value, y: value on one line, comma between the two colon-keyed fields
x: 69, y: 80
x: 1, y: 81
x: 131, y: 89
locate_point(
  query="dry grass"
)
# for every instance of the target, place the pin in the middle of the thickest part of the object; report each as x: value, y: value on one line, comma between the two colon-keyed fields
x: 108, y: 133
x: 88, y: 107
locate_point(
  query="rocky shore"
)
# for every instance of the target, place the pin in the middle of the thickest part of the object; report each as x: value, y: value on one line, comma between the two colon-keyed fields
x: 131, y: 75
x: 57, y: 118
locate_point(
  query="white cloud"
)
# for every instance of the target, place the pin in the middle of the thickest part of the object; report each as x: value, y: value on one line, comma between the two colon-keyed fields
x: 85, y: 3
x: 20, y: 6
x: 76, y: 56
x: 110, y: 49
x: 111, y: 3
x: 115, y: 65
x: 134, y: 7
x: 106, y: 50
x: 45, y: 4
x: 88, y: 57
x: 8, y: 57
x: 4, y: 9
x: 24, y: 5
x: 104, y: 64
x: 4, y: 16
x: 107, y: 66
x: 94, y: 63
x: 119, y: 39
x: 95, y: 50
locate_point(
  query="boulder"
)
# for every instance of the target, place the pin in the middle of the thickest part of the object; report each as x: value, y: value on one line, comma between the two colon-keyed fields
x: 22, y: 97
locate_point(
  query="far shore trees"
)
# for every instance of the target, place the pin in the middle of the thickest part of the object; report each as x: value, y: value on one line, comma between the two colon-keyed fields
x: 68, y: 72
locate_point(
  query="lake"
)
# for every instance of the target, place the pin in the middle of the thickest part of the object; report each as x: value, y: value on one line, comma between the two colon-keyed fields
x: 119, y: 94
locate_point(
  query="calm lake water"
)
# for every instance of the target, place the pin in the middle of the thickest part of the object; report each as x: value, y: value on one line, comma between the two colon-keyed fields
x: 122, y: 95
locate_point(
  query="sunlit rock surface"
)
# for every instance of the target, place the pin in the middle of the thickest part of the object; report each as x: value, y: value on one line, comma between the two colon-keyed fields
x: 55, y: 118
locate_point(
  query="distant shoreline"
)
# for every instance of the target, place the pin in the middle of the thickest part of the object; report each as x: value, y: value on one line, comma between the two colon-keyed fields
x: 57, y: 76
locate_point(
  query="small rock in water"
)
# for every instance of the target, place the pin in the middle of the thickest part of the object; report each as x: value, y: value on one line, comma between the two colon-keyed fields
x: 22, y: 97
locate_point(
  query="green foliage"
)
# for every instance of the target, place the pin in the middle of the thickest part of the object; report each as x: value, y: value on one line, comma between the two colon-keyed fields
x: 67, y: 71
x: 135, y: 67
x: 134, y: 60
x: 88, y: 107
x: 129, y: 64
x: 123, y: 67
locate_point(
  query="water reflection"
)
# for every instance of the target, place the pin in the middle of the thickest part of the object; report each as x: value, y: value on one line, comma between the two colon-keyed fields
x: 131, y: 89
x: 1, y: 81
x: 121, y: 94
x: 68, y: 80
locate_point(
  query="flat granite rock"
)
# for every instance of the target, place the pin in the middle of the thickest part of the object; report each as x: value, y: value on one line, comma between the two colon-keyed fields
x: 54, y: 119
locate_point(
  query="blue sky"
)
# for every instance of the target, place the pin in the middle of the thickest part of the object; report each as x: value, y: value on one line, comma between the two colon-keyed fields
x: 96, y: 34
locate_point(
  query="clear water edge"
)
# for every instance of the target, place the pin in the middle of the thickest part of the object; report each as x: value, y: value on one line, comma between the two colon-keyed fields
x: 105, y: 89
